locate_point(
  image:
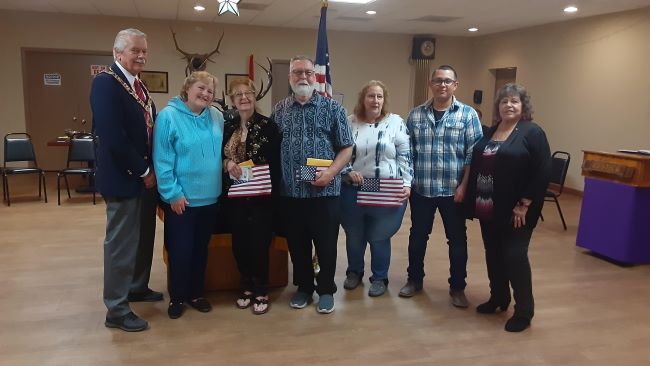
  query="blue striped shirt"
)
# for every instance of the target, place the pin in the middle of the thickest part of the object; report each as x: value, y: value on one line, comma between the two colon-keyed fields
x: 441, y: 149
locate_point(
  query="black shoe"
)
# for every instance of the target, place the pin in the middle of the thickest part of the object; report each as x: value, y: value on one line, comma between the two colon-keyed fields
x: 517, y: 324
x: 200, y: 304
x: 352, y: 281
x: 491, y: 306
x: 129, y: 323
x: 148, y: 296
x: 175, y: 310
x: 410, y: 289
x: 458, y: 298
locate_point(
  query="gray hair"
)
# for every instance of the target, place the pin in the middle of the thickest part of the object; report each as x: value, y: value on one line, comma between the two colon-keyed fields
x: 300, y: 58
x: 122, y: 39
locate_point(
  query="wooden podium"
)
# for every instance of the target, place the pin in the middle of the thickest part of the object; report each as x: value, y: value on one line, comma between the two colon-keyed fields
x: 615, y: 213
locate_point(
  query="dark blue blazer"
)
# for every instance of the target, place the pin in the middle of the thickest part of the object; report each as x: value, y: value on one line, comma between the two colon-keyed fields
x: 123, y: 154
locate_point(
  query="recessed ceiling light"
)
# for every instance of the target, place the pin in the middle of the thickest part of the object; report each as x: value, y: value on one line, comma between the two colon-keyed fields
x: 570, y: 9
x: 371, y: 12
x: 199, y: 7
x: 473, y: 29
x: 352, y: 1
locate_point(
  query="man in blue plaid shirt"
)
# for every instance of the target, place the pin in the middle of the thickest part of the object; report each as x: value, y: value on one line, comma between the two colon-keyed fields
x: 443, y: 133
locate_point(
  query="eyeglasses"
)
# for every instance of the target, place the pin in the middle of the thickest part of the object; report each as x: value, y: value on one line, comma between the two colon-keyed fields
x: 307, y: 73
x: 439, y: 82
x: 239, y: 95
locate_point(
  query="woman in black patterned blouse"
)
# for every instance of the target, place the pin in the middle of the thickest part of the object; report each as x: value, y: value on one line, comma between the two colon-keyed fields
x: 508, y: 177
x: 253, y: 137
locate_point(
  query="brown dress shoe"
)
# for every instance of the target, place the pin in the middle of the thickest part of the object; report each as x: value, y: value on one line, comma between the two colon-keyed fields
x: 410, y: 289
x: 458, y: 298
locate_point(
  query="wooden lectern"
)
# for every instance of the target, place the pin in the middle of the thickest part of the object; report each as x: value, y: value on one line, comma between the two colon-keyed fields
x: 615, y: 213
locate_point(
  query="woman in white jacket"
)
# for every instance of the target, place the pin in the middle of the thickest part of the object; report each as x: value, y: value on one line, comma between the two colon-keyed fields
x: 382, y: 150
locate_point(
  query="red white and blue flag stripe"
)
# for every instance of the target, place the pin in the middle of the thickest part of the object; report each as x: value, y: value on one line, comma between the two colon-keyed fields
x: 323, y: 78
x: 259, y: 185
x: 383, y: 192
x: 307, y: 173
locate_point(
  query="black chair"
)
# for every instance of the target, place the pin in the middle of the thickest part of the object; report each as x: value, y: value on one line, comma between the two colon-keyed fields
x: 82, y: 150
x: 559, y: 168
x: 18, y: 147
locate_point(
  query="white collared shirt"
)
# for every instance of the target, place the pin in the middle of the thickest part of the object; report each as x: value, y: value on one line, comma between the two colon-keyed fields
x: 129, y: 77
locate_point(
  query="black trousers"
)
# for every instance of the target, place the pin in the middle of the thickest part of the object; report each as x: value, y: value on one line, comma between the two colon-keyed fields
x: 251, y: 223
x: 313, y: 220
x: 506, y: 255
x: 186, y: 238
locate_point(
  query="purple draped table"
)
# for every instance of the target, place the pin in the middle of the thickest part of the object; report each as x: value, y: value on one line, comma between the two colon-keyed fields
x: 615, y: 213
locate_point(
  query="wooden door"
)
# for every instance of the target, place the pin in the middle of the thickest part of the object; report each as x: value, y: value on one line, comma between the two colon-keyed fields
x: 57, y: 93
x: 504, y: 76
x: 280, y: 88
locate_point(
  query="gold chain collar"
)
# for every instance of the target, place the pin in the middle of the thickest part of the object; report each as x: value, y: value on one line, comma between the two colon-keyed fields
x: 146, y: 106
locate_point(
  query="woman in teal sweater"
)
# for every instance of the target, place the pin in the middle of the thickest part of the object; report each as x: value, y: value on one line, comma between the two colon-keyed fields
x: 187, y: 160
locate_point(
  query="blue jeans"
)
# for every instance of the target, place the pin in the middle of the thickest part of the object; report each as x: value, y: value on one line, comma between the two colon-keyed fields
x: 423, y: 210
x: 367, y: 224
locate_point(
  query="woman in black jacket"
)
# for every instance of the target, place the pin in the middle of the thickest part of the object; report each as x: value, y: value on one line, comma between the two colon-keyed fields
x: 509, y: 174
x: 250, y: 137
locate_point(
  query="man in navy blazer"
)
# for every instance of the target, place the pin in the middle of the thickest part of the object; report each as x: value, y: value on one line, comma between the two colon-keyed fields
x: 123, y: 116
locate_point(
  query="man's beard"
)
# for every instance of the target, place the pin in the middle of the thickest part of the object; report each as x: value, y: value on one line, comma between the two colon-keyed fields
x: 303, y: 90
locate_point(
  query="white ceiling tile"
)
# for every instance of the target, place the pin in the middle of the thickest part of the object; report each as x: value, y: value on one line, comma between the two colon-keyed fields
x: 122, y: 8
x: 74, y: 6
x: 157, y: 9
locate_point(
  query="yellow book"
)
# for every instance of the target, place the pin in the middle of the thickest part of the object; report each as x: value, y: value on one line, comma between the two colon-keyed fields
x: 247, y: 163
x: 319, y: 162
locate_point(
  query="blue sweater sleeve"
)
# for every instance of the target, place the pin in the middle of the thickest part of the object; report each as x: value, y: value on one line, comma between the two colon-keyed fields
x: 164, y: 157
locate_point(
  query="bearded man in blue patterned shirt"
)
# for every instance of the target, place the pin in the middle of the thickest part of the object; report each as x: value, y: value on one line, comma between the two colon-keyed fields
x: 312, y: 126
x: 443, y: 133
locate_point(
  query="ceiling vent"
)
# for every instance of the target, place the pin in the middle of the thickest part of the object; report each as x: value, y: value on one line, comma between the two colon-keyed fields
x: 435, y: 19
x: 354, y: 19
x: 252, y: 6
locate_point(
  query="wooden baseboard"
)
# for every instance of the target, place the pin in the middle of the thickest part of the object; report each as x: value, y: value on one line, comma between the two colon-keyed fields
x: 573, y: 191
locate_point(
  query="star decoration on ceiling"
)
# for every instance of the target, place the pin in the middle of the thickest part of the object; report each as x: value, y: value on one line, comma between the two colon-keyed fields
x: 228, y: 6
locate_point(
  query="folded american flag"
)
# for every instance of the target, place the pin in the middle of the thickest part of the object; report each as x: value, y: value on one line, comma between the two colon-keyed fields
x: 384, y: 192
x: 259, y: 185
x: 307, y: 173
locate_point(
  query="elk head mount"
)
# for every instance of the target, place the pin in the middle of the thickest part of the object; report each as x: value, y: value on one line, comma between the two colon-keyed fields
x: 196, y: 61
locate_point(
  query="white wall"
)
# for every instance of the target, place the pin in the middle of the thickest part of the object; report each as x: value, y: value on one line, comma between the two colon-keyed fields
x: 589, y: 78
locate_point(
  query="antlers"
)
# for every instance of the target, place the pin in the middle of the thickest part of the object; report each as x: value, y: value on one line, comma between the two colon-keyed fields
x: 196, y: 61
x: 269, y: 77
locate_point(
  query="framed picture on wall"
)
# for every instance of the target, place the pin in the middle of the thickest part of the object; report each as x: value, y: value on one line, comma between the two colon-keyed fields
x: 155, y: 81
x: 231, y: 77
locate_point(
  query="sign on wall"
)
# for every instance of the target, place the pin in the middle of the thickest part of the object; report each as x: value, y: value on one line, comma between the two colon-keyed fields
x: 96, y: 69
x: 53, y: 79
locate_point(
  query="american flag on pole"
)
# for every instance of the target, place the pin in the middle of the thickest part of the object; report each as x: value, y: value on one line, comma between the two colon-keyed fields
x: 323, y: 78
x: 384, y: 192
x: 259, y: 185
x: 307, y: 173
